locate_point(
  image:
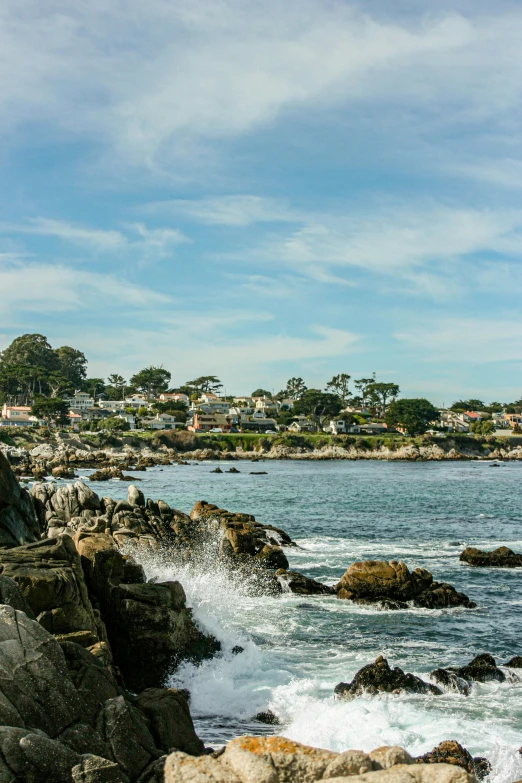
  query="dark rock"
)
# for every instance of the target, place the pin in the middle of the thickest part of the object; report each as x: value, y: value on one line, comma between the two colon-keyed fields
x: 271, y: 556
x: 451, y: 752
x: 233, y: 470
x: 124, y: 730
x: 378, y: 677
x: 440, y: 595
x: 515, y: 662
x: 169, y: 721
x: 258, y: 473
x: 11, y: 594
x: 502, y: 557
x: 51, y: 579
x: 237, y: 649
x: 94, y: 682
x: 302, y: 585
x: 32, y: 757
x: 267, y: 717
x: 19, y: 523
x: 217, y: 470
x: 450, y: 681
x: 482, y: 668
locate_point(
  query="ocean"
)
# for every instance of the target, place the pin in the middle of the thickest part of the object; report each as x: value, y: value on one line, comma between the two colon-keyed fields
x: 297, y: 648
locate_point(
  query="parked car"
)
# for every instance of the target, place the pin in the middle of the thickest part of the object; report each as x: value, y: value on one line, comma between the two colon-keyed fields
x: 270, y: 432
x: 233, y: 429
x: 216, y: 429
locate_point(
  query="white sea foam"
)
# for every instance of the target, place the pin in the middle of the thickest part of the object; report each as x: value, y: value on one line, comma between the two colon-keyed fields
x: 284, y: 668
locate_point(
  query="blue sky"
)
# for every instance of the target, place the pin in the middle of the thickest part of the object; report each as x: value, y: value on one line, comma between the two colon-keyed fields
x: 263, y: 190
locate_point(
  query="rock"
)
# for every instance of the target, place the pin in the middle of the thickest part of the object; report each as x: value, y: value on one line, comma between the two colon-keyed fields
x: 94, y: 681
x: 515, y: 662
x: 451, y: 681
x: 267, y: 717
x: 302, y: 585
x: 135, y: 496
x: 51, y: 579
x: 378, y: 677
x: 482, y: 668
x: 124, y: 731
x: 169, y: 721
x: 279, y: 760
x: 217, y: 470
x: 32, y: 757
x: 451, y: 752
x: 502, y: 557
x: 11, y: 594
x: 272, y: 557
x: 392, y: 585
x: 18, y: 521
x: 36, y: 689
x: 93, y: 769
x: 233, y: 470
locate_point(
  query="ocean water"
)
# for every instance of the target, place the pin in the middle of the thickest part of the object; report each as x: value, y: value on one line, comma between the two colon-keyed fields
x: 296, y: 649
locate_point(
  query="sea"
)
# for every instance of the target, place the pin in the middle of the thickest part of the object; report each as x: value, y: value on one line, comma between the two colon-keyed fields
x: 295, y: 649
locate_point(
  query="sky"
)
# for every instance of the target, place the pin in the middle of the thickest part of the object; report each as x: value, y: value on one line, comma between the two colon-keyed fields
x: 261, y: 190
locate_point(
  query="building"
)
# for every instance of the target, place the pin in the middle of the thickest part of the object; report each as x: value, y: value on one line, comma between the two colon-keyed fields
x: 80, y: 401
x: 18, y: 416
x: 174, y: 397
x: 259, y: 424
x: 162, y: 421
x: 302, y: 425
x: 204, y: 422
x: 210, y: 405
x: 512, y: 419
x: 340, y: 426
x: 373, y: 428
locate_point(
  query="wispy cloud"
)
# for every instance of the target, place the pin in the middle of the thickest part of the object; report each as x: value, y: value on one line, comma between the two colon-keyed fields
x: 230, y: 210
x: 142, y: 78
x: 138, y: 236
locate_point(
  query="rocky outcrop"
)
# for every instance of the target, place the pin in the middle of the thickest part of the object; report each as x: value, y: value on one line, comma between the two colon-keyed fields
x: 295, y: 582
x: 279, y: 760
x: 392, y: 585
x: 482, y: 668
x: 18, y: 521
x: 65, y: 718
x: 502, y: 557
x: 379, y: 677
x: 451, y: 752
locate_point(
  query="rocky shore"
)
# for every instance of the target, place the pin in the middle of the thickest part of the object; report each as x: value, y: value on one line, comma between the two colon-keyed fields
x: 87, y: 644
x: 63, y: 453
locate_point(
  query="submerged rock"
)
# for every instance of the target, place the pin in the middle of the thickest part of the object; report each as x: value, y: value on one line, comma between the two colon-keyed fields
x: 482, y: 668
x: 379, y: 677
x: 502, y: 557
x: 393, y: 585
x: 303, y: 585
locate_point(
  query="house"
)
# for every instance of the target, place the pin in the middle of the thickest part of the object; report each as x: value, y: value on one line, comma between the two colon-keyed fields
x: 74, y: 420
x: 469, y: 417
x: 340, y: 426
x: 245, y: 402
x: 80, y: 401
x: 162, y: 421
x: 130, y: 418
x: 512, y: 419
x: 259, y: 424
x: 94, y: 414
x: 204, y: 422
x: 18, y: 416
x: 209, y: 405
x: 302, y: 425
x: 373, y: 428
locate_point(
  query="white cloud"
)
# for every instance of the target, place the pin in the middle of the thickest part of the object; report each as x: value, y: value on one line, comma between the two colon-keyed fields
x: 235, y: 210
x: 52, y: 288
x: 149, y: 79
x: 156, y: 241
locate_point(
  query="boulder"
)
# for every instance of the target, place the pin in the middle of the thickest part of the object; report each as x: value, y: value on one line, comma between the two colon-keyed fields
x: 169, y: 720
x: 393, y: 585
x: 502, y: 557
x: 379, y: 677
x: 279, y: 760
x: 515, y: 662
x: 482, y: 668
x: 123, y: 729
x: 93, y: 680
x: 32, y: 757
x: 19, y: 523
x: 302, y: 585
x: 93, y: 769
x: 135, y: 496
x: 51, y: 579
x: 451, y: 752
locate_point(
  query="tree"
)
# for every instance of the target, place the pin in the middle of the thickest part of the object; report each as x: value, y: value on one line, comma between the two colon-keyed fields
x: 339, y: 385
x: 261, y: 393
x: 295, y: 388
x: 30, y: 350
x: 467, y: 405
x: 51, y: 410
x: 93, y: 386
x: 318, y: 405
x: 380, y: 393
x: 413, y: 415
x: 482, y: 427
x: 205, y: 384
x: 118, y: 383
x: 72, y: 364
x: 362, y: 385
x: 116, y: 424
x: 151, y: 380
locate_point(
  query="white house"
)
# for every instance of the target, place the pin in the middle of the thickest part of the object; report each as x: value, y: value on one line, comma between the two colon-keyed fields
x: 163, y: 421
x: 80, y: 401
x: 303, y: 425
x: 18, y: 416
x: 174, y: 397
x: 339, y: 426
